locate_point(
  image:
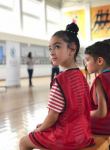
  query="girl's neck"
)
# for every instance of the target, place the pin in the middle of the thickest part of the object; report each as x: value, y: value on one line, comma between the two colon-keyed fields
x: 63, y: 68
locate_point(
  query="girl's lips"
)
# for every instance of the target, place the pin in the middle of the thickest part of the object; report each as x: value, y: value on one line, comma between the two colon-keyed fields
x: 54, y: 59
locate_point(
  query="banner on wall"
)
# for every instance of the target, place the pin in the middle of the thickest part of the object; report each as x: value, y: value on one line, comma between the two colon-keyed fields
x: 78, y: 17
x: 12, y: 64
x: 100, y: 19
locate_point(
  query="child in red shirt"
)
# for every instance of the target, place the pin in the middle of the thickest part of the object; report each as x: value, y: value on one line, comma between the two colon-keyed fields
x: 98, y: 61
x: 67, y: 125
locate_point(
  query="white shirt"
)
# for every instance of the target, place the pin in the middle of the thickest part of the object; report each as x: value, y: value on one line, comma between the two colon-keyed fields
x: 30, y: 63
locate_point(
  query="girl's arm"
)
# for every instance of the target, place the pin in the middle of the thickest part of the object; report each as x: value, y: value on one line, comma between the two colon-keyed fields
x: 102, y: 105
x: 50, y: 120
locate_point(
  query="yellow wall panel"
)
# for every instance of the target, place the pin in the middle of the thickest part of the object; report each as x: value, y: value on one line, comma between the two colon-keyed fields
x: 79, y: 17
x: 100, y: 22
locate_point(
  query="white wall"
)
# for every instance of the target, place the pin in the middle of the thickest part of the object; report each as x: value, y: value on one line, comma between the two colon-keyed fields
x: 39, y: 70
x: 2, y: 72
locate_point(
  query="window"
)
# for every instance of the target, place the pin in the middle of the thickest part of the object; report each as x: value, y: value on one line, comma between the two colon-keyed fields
x: 39, y: 53
x: 2, y: 53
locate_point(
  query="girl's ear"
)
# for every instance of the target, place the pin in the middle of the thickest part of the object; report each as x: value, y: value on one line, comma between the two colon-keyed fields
x: 73, y: 46
x: 100, y: 60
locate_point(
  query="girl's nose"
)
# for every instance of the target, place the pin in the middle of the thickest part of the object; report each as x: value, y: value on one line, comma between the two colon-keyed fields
x: 52, y: 52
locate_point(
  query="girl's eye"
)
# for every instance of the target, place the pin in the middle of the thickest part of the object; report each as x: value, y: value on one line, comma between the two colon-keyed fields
x: 57, y: 46
x: 54, y: 47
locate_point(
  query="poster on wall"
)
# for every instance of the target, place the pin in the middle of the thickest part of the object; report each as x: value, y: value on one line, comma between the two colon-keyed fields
x: 12, y: 64
x: 100, y: 19
x: 78, y: 17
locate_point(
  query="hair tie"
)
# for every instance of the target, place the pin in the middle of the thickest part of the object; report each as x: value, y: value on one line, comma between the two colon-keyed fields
x: 72, y: 32
x: 69, y: 31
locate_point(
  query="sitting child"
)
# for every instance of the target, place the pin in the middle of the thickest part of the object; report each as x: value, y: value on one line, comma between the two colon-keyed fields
x: 98, y: 61
x: 67, y: 125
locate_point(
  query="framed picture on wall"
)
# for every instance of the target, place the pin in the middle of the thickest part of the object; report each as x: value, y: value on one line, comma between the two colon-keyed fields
x: 100, y: 22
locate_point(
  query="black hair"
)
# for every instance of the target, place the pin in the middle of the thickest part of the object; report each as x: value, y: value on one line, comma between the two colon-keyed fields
x: 107, y: 41
x: 69, y: 36
x: 99, y: 49
x: 29, y: 55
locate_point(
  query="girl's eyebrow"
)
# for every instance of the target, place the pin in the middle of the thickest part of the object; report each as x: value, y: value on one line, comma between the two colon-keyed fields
x: 55, y: 43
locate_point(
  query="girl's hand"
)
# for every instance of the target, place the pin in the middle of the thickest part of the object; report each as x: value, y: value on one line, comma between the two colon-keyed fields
x: 49, y: 121
x: 38, y: 125
x: 37, y: 130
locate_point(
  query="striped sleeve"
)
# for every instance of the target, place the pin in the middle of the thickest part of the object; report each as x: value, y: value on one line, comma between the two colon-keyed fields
x: 56, y: 99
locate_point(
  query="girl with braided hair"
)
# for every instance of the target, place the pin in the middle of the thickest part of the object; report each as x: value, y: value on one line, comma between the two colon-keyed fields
x: 67, y: 125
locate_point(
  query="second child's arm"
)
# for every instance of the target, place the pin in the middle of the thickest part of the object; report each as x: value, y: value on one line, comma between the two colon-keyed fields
x: 102, y: 105
x: 50, y: 120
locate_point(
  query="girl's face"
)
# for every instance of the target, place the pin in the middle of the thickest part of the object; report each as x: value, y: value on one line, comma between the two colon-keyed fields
x: 91, y: 63
x: 60, y: 54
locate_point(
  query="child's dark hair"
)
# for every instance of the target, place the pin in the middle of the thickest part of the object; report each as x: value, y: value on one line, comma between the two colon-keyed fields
x: 70, y: 36
x: 99, y: 49
x: 107, y: 41
x: 30, y: 55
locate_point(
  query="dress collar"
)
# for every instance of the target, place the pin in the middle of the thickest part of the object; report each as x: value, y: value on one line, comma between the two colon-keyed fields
x: 106, y: 70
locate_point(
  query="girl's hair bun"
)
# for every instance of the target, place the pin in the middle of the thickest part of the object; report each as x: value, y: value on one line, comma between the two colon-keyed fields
x: 72, y: 28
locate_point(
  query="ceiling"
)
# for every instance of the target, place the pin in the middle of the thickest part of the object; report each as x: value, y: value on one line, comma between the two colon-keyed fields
x: 70, y: 3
